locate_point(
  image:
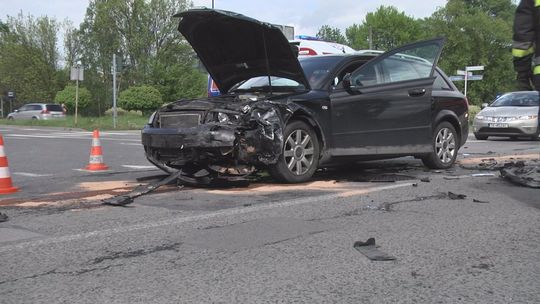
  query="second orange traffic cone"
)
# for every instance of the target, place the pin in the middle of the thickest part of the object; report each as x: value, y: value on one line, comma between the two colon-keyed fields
x: 96, y: 155
x: 6, y: 186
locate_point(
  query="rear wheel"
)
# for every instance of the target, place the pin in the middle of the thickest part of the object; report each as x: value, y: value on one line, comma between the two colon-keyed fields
x: 10, y: 118
x: 300, y: 156
x: 445, y: 147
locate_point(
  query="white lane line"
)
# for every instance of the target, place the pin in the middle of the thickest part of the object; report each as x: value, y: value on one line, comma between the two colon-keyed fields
x: 139, y: 167
x: 21, y: 136
x: 31, y: 174
x: 132, y: 144
x: 181, y: 220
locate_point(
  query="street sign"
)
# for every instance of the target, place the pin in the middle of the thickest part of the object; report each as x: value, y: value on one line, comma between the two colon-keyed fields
x: 461, y: 72
x: 457, y: 78
x: 77, y: 73
x: 475, y: 68
x: 476, y: 77
x: 11, y: 94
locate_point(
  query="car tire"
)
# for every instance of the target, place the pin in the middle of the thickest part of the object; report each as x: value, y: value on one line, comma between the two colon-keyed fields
x: 34, y: 118
x: 11, y: 118
x: 300, y: 156
x: 445, y: 145
x: 480, y: 137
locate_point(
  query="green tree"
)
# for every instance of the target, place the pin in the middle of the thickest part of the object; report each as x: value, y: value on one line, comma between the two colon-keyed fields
x: 328, y: 33
x: 478, y: 33
x: 67, y: 97
x: 388, y: 27
x: 141, y: 98
x: 29, y: 58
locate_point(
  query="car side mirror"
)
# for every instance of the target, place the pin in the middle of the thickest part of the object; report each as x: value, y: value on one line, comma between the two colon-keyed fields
x: 485, y: 105
x: 351, y: 89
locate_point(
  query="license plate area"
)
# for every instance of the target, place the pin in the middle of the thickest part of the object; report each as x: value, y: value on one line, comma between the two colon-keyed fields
x: 498, y: 125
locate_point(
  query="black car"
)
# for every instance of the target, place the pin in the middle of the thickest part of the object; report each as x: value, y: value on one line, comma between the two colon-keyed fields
x: 293, y: 115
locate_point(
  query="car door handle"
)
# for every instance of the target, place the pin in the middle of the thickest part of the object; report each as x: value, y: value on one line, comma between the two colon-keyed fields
x: 417, y: 92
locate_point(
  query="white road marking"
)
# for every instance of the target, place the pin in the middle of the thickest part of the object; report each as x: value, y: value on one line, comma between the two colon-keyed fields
x: 31, y: 174
x: 139, y: 167
x: 194, y: 218
x: 132, y: 144
x: 68, y: 137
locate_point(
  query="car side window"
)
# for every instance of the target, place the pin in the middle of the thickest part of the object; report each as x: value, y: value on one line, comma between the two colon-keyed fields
x: 35, y: 108
x: 406, y: 64
x: 23, y: 108
x: 440, y: 83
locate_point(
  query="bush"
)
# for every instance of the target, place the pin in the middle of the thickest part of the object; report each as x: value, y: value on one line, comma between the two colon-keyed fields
x: 142, y: 98
x: 473, y: 110
x: 67, y: 97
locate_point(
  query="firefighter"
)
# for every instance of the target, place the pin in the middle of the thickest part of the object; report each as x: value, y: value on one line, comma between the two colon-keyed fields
x: 526, y: 45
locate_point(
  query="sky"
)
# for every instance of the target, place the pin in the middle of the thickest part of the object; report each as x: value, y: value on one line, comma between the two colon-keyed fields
x: 305, y: 15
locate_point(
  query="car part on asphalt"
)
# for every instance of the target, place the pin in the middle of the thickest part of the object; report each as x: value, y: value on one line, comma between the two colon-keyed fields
x: 369, y: 249
x: 479, y: 201
x: 125, y: 199
x: 454, y: 196
x: 521, y: 174
x: 3, y: 217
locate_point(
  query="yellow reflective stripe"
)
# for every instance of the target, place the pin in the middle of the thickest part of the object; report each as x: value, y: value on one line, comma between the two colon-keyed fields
x: 536, y: 70
x: 523, y: 53
x: 536, y: 2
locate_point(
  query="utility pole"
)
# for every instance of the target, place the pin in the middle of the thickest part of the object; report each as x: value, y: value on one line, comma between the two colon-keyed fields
x: 370, y: 38
x: 212, y: 4
x: 113, y: 71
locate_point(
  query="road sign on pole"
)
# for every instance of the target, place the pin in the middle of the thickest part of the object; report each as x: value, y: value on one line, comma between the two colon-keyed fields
x: 474, y: 68
x: 77, y: 74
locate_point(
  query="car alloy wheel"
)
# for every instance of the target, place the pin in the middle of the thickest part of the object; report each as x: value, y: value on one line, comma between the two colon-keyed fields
x: 445, y: 145
x: 300, y: 157
x: 298, y: 152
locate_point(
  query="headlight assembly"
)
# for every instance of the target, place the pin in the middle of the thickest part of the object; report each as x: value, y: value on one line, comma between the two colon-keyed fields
x: 527, y: 117
x: 479, y: 117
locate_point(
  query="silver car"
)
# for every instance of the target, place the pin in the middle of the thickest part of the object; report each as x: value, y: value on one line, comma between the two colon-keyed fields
x: 511, y: 115
x: 38, y: 111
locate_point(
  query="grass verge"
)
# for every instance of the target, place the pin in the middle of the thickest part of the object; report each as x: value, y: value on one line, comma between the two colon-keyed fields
x: 123, y: 122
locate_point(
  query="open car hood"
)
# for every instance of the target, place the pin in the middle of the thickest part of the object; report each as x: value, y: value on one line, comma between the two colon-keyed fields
x: 234, y: 48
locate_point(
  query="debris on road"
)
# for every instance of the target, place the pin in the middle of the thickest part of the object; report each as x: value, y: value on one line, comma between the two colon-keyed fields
x: 522, y: 174
x: 454, y: 196
x: 425, y: 180
x: 369, y: 249
x: 125, y: 199
x: 488, y: 164
x: 479, y: 201
x: 3, y: 217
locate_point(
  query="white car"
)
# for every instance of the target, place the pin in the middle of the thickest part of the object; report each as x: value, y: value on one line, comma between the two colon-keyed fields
x: 38, y: 111
x: 511, y: 115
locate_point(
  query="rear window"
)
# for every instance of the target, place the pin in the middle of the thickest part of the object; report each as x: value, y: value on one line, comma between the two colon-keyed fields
x: 54, y: 108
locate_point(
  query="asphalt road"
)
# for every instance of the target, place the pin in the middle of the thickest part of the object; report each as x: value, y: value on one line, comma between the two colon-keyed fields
x: 266, y: 243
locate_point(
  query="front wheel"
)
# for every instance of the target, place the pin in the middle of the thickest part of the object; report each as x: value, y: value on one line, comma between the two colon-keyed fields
x: 445, y: 147
x: 300, y: 156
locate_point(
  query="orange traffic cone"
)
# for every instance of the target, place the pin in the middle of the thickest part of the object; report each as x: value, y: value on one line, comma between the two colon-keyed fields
x: 96, y: 155
x: 6, y: 186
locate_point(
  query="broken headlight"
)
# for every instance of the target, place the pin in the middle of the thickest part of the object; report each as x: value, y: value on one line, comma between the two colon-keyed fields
x: 225, y: 118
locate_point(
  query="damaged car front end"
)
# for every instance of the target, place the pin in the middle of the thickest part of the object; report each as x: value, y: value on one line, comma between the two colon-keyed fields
x: 224, y: 137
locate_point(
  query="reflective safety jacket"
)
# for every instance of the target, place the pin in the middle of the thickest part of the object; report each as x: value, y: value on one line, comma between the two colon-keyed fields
x: 526, y: 44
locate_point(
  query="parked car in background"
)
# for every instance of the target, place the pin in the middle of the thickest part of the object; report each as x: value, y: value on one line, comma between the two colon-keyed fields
x: 292, y: 115
x: 511, y: 115
x: 310, y: 46
x: 38, y: 111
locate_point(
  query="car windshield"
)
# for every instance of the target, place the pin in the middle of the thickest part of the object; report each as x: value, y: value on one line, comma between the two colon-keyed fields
x: 525, y: 99
x: 316, y: 69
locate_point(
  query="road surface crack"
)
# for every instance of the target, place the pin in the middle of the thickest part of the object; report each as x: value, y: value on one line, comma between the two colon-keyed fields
x: 136, y: 253
x: 56, y: 271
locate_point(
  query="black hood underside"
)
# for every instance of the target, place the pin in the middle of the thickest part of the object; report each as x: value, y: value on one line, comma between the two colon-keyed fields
x: 234, y: 48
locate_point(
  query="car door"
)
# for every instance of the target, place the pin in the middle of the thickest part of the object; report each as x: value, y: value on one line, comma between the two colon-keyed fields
x: 385, y: 105
x: 21, y: 112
